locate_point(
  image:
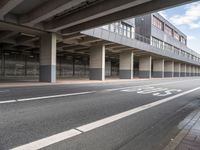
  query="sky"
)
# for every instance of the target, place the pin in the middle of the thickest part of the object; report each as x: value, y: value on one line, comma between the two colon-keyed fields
x: 187, y: 19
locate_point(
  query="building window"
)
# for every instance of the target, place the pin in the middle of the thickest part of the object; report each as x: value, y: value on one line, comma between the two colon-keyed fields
x: 157, y: 23
x: 183, y: 40
x: 168, y: 30
x: 176, y: 50
x: 168, y: 47
x: 127, y: 30
x: 176, y: 35
x: 157, y: 43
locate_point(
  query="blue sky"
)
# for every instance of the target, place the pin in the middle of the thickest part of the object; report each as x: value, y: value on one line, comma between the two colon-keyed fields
x: 187, y: 19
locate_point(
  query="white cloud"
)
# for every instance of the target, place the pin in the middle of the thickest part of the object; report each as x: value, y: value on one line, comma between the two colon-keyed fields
x: 191, y: 17
x: 163, y: 13
x: 191, y: 37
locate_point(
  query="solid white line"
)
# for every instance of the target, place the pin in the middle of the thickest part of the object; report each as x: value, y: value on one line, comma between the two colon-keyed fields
x: 45, y: 97
x: 116, y: 117
x: 88, y: 127
x: 49, y: 140
x: 54, y: 96
x: 8, y: 101
x: 81, y: 93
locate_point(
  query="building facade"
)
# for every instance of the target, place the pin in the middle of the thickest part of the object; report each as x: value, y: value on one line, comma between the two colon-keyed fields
x: 145, y: 46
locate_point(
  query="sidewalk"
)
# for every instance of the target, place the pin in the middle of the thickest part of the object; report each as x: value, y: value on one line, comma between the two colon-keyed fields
x: 189, y: 137
x: 63, y: 81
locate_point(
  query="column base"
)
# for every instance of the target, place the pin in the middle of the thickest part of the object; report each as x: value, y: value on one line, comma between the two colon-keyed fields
x: 96, y: 74
x: 144, y: 74
x: 47, y: 73
x: 183, y: 74
x: 176, y: 74
x: 125, y: 74
x: 188, y: 74
x: 168, y: 74
x: 157, y: 74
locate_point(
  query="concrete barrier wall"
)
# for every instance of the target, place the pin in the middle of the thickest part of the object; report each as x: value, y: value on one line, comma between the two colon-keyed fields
x: 19, y: 65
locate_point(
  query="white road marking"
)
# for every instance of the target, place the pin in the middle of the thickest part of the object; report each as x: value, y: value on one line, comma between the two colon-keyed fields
x: 45, y: 97
x: 88, y: 127
x: 88, y: 92
x: 8, y: 101
x: 155, y: 84
x: 113, y: 118
x: 49, y: 140
x: 54, y: 96
x: 153, y: 90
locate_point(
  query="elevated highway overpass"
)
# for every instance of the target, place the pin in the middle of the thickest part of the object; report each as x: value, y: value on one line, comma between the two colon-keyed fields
x: 34, y: 34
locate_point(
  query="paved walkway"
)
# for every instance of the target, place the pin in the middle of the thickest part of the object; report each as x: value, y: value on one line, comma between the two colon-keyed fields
x: 189, y: 137
x: 23, y: 83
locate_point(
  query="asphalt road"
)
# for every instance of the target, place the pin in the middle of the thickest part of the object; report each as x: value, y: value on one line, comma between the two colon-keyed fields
x: 129, y: 115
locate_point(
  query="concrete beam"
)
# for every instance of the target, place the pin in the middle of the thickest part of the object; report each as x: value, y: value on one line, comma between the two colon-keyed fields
x: 147, y: 7
x: 6, y: 34
x: 25, y: 39
x: 48, y: 10
x: 22, y: 29
x: 73, y: 36
x: 7, y: 5
x: 113, y: 46
x: 87, y: 40
x: 95, y: 11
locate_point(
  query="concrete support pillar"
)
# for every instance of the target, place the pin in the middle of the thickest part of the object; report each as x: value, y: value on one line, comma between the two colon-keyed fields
x: 193, y: 70
x: 189, y: 71
x: 126, y: 65
x: 183, y: 70
x: 48, y: 58
x: 196, y: 71
x: 169, y: 69
x: 145, y: 67
x: 97, y: 63
x: 177, y: 69
x: 158, y: 68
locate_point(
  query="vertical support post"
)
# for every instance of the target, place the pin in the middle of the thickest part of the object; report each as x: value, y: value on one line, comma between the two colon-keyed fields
x: 126, y: 65
x: 183, y: 70
x: 169, y: 68
x: 97, y: 63
x: 158, y: 68
x: 145, y: 66
x: 177, y: 69
x: 48, y: 58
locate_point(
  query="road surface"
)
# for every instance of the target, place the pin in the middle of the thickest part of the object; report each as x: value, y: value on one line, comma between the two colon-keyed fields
x: 124, y: 115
